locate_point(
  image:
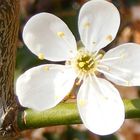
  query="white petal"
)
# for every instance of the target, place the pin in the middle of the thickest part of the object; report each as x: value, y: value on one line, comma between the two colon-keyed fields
x: 98, y: 23
x: 127, y: 66
x: 44, y: 86
x: 100, y: 106
x: 49, y: 37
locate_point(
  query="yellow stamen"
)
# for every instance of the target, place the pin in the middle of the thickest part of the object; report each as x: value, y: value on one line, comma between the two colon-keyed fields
x: 46, y: 68
x: 81, y: 64
x: 109, y: 38
x: 61, y: 34
x: 86, y: 25
x: 41, y: 56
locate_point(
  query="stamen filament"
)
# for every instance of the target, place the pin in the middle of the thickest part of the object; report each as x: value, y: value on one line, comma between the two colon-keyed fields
x: 91, y: 64
x: 68, y: 44
x: 103, y: 66
x: 86, y: 34
x: 96, y: 53
x: 86, y: 28
x: 121, y: 69
x: 113, y: 76
x: 110, y: 59
x: 80, y: 79
x: 98, y: 56
x: 98, y: 84
x: 114, y: 67
x: 101, y: 96
x: 89, y: 60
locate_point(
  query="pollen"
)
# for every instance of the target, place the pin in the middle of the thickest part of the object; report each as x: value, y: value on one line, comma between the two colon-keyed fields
x: 46, y: 68
x: 82, y: 102
x: 87, y: 24
x: 41, y: 56
x: 109, y: 38
x: 61, y: 34
x: 81, y: 64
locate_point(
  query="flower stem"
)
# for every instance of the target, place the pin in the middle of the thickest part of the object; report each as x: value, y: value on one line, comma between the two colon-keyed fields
x: 66, y: 114
x: 62, y: 114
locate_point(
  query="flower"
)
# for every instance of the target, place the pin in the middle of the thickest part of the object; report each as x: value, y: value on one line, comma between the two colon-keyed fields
x: 99, y: 103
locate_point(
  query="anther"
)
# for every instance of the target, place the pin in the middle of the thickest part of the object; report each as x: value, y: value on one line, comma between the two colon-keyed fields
x: 46, y: 68
x: 109, y: 38
x: 41, y: 56
x: 61, y: 34
x: 86, y: 24
x: 81, y: 64
x: 78, y: 83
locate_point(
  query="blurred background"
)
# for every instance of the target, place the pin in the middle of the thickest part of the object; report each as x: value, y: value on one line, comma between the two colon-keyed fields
x: 68, y: 10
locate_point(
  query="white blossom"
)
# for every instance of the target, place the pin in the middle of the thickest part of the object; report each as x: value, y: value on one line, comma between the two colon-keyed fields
x: 99, y: 103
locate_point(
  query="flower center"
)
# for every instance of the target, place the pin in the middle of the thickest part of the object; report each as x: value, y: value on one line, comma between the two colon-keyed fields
x: 85, y: 63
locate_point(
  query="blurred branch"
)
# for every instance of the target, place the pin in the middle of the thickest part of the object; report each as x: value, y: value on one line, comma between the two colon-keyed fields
x: 132, y: 108
x: 66, y: 13
x: 66, y: 114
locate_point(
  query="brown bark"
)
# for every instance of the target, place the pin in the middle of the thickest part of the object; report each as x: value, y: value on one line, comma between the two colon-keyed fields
x: 9, y: 23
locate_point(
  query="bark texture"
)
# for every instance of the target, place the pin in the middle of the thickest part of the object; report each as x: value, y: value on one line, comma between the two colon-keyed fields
x: 9, y: 24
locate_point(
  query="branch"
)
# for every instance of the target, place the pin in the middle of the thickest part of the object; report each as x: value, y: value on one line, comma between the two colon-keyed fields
x: 9, y: 25
x: 65, y: 114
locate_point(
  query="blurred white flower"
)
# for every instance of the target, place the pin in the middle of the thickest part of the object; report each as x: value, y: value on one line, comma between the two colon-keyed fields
x: 135, y: 10
x: 99, y: 103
